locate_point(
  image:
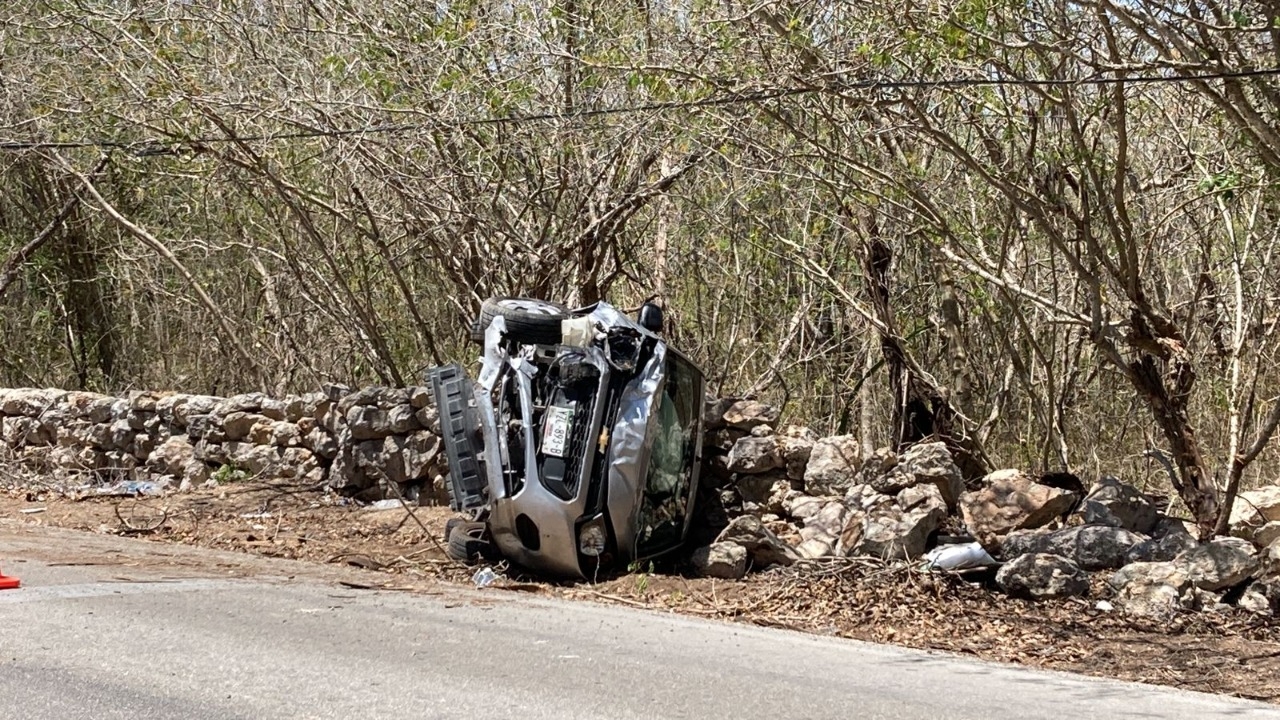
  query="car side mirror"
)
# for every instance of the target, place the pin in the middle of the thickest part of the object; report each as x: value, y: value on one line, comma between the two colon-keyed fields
x: 651, y: 317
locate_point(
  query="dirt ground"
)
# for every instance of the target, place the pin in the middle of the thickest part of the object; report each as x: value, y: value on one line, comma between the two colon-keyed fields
x: 1233, y: 653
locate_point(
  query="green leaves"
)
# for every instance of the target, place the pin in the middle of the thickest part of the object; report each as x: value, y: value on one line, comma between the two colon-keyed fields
x: 1223, y: 184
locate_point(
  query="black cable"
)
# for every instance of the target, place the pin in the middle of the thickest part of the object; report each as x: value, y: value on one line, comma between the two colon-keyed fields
x: 145, y: 148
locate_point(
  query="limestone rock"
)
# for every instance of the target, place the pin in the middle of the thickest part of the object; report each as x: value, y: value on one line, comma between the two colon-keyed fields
x: 931, y: 463
x: 1162, y: 549
x: 1010, y: 500
x: 1151, y: 589
x: 171, y: 458
x: 194, y: 474
x: 1111, y: 502
x: 90, y: 407
x: 256, y: 460
x: 816, y: 547
x: 295, y: 409
x: 24, y: 430
x: 891, y: 533
x: 754, y: 455
x: 285, y: 434
x: 747, y: 414
x: 421, y: 396
x: 1269, y: 561
x: 1267, y: 534
x: 804, y: 507
x: 830, y: 519
x: 419, y: 454
x: 1261, y: 597
x: 429, y: 419
x: 724, y: 560
x: 369, y: 422
x: 143, y: 420
x: 1253, y: 509
x: 795, y: 444
x: 1041, y: 576
x: 892, y: 482
x: 177, y: 410
x: 320, y: 442
x: 30, y: 403
x: 380, y: 397
x: 780, y: 495
x: 865, y: 498
x: 918, y: 497
x: 833, y: 465
x: 245, y: 403
x: 315, y: 405
x: 764, y: 547
x: 1220, y: 563
x: 713, y: 412
x: 723, y: 438
x: 238, y: 424
x: 143, y: 444
x: 880, y: 462
x: 1090, y: 547
x: 758, y: 488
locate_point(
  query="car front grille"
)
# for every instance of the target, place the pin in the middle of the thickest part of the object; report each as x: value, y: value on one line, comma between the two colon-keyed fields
x: 581, y: 441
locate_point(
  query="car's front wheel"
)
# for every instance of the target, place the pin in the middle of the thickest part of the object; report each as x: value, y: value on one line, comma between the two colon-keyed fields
x: 536, y: 322
x: 468, y: 542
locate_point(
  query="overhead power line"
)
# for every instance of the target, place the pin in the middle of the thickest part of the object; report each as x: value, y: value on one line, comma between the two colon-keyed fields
x: 171, y: 146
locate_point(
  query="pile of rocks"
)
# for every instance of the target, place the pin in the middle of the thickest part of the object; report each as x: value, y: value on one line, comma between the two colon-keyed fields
x: 361, y: 442
x: 801, y: 497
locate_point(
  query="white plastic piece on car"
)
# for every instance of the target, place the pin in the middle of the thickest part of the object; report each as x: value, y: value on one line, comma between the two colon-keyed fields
x: 958, y: 557
x: 578, y: 332
x: 494, y: 356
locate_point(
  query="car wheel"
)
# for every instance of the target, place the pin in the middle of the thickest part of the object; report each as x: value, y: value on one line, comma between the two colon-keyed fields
x: 536, y: 322
x: 468, y: 542
x: 450, y: 524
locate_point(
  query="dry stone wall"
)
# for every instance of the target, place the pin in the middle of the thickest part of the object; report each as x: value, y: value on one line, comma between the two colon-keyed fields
x: 772, y: 495
x: 361, y: 442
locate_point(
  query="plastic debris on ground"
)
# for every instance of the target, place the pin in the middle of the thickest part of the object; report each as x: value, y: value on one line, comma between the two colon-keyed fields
x: 484, y: 577
x: 966, y: 556
x: 388, y: 504
x: 130, y: 488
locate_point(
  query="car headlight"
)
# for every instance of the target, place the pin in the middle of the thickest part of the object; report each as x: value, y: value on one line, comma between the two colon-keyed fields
x: 592, y: 538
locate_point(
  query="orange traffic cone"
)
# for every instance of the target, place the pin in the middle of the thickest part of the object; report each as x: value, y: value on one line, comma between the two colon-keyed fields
x: 9, y: 583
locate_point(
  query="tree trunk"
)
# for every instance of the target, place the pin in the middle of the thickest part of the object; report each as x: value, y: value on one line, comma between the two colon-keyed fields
x: 921, y: 410
x: 1156, y: 342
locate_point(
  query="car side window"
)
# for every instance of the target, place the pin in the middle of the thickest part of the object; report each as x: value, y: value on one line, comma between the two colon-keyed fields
x: 666, y: 493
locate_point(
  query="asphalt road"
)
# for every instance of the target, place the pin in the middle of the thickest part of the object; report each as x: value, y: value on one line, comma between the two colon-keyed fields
x: 128, y: 639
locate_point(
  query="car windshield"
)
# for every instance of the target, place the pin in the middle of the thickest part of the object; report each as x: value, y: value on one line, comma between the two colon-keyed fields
x: 666, y: 493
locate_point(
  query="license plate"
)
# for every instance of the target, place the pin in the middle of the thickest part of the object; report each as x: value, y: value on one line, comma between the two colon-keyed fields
x: 555, y: 431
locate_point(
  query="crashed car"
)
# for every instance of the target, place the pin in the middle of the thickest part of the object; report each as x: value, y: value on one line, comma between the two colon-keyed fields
x: 578, y: 446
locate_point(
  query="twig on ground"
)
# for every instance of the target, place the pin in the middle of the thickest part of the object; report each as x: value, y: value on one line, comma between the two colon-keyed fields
x: 430, y: 536
x: 141, y: 529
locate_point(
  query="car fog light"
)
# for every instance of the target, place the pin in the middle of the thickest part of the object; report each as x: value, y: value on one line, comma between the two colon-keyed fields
x: 592, y: 538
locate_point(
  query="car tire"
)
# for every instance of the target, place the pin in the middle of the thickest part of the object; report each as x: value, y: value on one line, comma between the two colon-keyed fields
x: 468, y: 542
x: 536, y: 322
x: 450, y: 524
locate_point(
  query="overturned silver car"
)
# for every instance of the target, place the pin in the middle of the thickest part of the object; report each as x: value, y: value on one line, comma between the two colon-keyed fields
x: 578, y: 446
